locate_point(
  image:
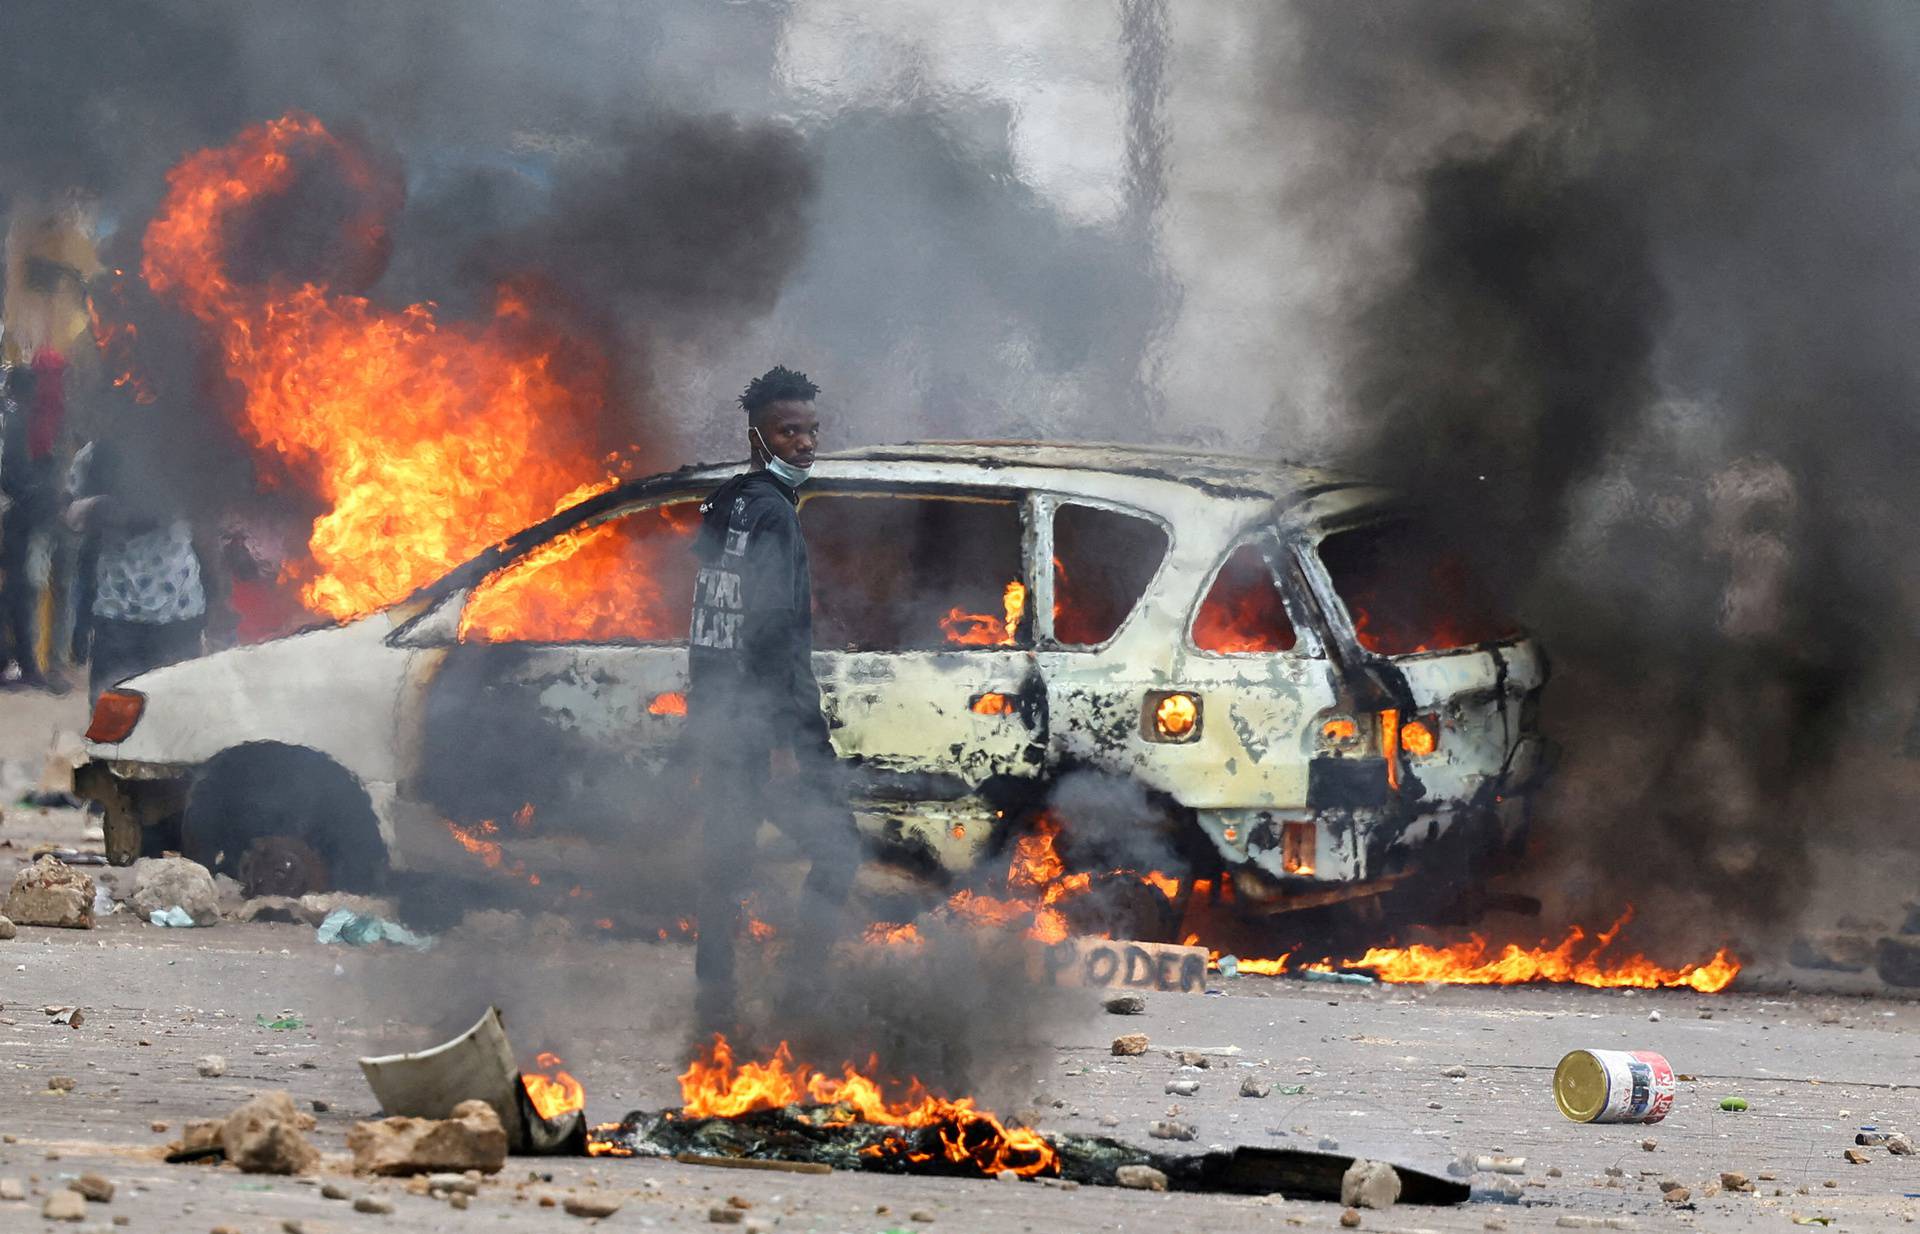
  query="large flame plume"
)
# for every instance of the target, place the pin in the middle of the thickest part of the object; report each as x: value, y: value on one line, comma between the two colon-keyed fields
x: 426, y: 439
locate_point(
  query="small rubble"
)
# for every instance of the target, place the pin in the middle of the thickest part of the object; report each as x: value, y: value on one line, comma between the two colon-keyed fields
x: 53, y: 894
x: 94, y: 1187
x: 64, y: 1205
x: 1350, y: 1219
x: 1126, y: 1004
x: 373, y: 1204
x: 1140, y: 1178
x: 7, y: 929
x: 589, y: 1206
x: 1254, y: 1086
x: 1733, y: 1180
x: 11, y: 1189
x: 1171, y: 1129
x: 1855, y: 1157
x: 1370, y: 1184
x: 211, y: 1066
x: 163, y: 883
x: 1182, y: 1088
x: 265, y: 1136
x: 1130, y: 1045
x: 472, y: 1139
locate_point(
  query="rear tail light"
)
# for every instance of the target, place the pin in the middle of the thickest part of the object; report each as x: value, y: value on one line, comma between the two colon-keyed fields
x: 1339, y: 735
x: 114, y: 716
x: 1170, y: 716
x: 1419, y: 738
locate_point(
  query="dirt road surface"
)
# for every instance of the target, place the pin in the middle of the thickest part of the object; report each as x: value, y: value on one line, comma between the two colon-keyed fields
x: 1371, y: 1064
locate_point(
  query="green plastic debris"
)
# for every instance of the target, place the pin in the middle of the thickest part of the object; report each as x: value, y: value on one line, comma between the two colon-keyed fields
x: 284, y: 1022
x: 343, y: 925
x: 1292, y: 1090
x: 1733, y: 1103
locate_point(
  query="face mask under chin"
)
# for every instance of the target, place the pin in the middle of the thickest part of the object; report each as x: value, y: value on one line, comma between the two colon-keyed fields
x: 783, y: 471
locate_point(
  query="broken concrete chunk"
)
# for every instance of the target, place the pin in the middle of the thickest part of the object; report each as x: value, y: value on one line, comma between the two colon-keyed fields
x: 212, y: 1066
x: 1455, y: 1073
x: 590, y: 1206
x: 373, y: 1204
x: 1170, y: 1129
x: 1733, y: 1180
x: 94, y: 1187
x: 264, y: 1136
x: 1182, y: 1088
x: 1676, y: 1195
x: 1855, y: 1157
x: 162, y: 883
x: 51, y: 893
x: 1254, y: 1086
x: 1140, y: 1178
x: 1369, y: 1184
x: 6, y: 929
x: 472, y: 1139
x: 1130, y: 1044
x: 64, y: 1205
x: 1899, y: 1144
x: 1126, y: 1004
x: 61, y: 1083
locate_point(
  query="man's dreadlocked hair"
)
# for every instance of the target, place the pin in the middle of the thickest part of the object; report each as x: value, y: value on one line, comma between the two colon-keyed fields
x: 775, y: 385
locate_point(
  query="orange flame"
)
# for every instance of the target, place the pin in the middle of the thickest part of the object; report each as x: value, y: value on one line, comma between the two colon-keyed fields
x: 992, y: 704
x: 966, y: 629
x: 554, y: 1095
x: 713, y: 1086
x: 427, y: 439
x: 672, y: 703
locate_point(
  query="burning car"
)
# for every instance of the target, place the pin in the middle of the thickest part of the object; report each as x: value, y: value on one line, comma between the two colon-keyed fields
x: 1314, y: 696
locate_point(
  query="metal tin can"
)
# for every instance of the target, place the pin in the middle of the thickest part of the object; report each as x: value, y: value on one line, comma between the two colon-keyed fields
x: 1613, y: 1086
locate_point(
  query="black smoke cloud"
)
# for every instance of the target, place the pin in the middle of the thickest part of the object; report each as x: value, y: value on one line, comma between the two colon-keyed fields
x: 1640, y: 344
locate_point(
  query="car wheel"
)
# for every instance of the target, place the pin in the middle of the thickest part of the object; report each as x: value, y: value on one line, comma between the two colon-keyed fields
x: 284, y: 821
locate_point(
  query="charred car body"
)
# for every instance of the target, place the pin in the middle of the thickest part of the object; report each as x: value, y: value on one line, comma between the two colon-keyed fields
x: 1315, y: 697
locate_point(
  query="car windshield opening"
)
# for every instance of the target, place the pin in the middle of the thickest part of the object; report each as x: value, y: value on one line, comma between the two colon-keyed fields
x: 1243, y: 613
x: 622, y: 580
x: 1408, y: 592
x: 906, y: 571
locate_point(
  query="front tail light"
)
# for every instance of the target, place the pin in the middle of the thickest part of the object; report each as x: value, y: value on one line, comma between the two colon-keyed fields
x: 114, y: 716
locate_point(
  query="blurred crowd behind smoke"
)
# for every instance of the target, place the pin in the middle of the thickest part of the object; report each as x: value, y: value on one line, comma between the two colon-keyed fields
x: 1620, y: 289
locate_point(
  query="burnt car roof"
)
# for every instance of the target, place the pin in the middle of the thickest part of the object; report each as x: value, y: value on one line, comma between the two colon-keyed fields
x: 1217, y: 474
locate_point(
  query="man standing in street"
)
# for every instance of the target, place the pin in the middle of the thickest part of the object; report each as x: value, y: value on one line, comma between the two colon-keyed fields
x: 753, y: 703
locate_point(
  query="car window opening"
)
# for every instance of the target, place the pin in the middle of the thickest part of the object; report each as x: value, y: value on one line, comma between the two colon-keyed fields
x: 915, y: 572
x: 1408, y: 592
x: 1243, y: 613
x: 1102, y: 563
x: 625, y: 579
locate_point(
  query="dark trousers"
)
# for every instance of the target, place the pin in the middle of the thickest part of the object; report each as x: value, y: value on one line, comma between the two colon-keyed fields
x: 123, y: 648
x: 18, y: 629
x: 738, y: 790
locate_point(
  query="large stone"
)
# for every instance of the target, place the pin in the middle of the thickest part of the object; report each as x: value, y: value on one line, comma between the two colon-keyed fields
x: 472, y: 1139
x: 160, y: 883
x: 1140, y: 1178
x: 51, y: 893
x: 264, y: 1136
x: 6, y: 929
x: 1369, y: 1184
x: 64, y: 1205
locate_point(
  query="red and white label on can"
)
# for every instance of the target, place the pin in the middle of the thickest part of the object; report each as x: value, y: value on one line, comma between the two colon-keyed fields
x: 1640, y: 1086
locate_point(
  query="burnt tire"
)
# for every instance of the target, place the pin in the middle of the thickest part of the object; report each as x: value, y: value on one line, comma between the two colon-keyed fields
x: 283, y: 820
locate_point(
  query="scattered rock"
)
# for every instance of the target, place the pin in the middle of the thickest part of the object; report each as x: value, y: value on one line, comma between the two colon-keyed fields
x: 197, y: 1135
x: 7, y: 929
x: 1350, y: 1219
x: 293, y: 1225
x: 94, y: 1187
x: 1328, y: 1144
x: 1130, y: 1044
x: 590, y: 1206
x: 1653, y: 1017
x: 1897, y: 960
x: 1369, y: 1184
x: 51, y: 893
x: 1455, y: 1072
x: 1855, y: 1157
x: 1733, y: 1180
x: 271, y: 908
x: 1182, y: 1088
x: 373, y: 1204
x: 1007, y: 1176
x: 1836, y: 951
x: 924, y: 1217
x: 211, y: 1066
x: 472, y: 1139
x: 739, y: 1201
x: 1191, y: 1058
x: 452, y: 1183
x: 264, y: 1136
x: 1900, y: 1144
x: 1676, y: 1195
x: 1126, y: 1004
x: 459, y: 1199
x: 1554, y: 1171
x: 721, y: 1214
x: 64, y: 1205
x: 61, y: 1083
x: 1254, y: 1086
x: 10, y: 1189
x: 319, y: 1106
x: 1168, y: 1129
x: 1648, y: 1145
x: 1140, y: 1178
x: 161, y: 883
x: 334, y: 1191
